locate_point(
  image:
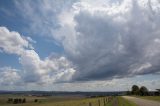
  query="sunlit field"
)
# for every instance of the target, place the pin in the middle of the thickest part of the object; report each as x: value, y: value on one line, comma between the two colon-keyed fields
x: 155, y: 98
x: 55, y: 101
x: 66, y: 101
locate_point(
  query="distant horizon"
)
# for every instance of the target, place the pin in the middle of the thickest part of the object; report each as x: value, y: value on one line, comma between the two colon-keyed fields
x: 65, y: 91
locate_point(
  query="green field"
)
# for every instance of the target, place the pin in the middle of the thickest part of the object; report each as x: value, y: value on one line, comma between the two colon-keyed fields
x: 155, y: 98
x: 119, y: 101
x: 66, y: 101
x: 56, y: 101
x: 124, y: 102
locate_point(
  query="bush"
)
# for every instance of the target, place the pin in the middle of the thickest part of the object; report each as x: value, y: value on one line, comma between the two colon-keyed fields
x: 24, y: 100
x: 19, y: 100
x: 10, y: 100
x: 36, y: 100
x: 156, y: 93
x: 15, y: 101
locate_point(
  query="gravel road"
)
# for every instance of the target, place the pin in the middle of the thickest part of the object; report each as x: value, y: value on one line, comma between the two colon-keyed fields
x: 142, y: 102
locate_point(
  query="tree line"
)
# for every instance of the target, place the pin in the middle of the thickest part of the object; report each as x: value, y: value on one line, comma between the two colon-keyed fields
x: 19, y: 100
x: 16, y: 100
x: 142, y: 91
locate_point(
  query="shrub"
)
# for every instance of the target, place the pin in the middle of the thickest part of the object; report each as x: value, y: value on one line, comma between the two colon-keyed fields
x: 24, y: 100
x: 36, y: 100
x: 10, y: 100
x: 15, y: 101
x: 19, y: 100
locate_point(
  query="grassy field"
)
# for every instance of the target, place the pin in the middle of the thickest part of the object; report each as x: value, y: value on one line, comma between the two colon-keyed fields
x: 155, y: 98
x: 66, y: 101
x: 119, y: 101
x: 56, y: 101
x: 124, y: 102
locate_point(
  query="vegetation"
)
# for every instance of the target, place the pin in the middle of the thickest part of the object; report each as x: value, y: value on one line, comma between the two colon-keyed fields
x: 54, y: 101
x: 135, y: 90
x: 155, y: 98
x: 36, y: 100
x: 120, y: 101
x: 142, y: 91
x: 125, y: 102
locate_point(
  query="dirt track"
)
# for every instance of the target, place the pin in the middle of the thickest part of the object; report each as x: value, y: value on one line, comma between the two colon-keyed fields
x: 115, y: 103
x: 142, y: 102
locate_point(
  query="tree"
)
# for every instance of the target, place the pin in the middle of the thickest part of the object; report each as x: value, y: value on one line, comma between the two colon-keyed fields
x: 36, y: 100
x: 135, y: 90
x: 128, y: 93
x: 143, y: 91
x: 19, y: 100
x: 15, y: 101
x: 24, y: 100
x: 10, y: 100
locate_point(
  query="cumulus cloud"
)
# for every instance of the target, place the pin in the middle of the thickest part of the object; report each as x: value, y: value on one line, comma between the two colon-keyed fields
x: 101, y: 39
x: 41, y: 15
x: 12, y: 42
x: 51, y: 69
x: 34, y: 69
x: 108, y: 40
x: 9, y: 76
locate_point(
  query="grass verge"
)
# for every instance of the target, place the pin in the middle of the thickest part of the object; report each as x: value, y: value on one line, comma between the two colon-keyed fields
x: 124, y: 102
x: 155, y: 98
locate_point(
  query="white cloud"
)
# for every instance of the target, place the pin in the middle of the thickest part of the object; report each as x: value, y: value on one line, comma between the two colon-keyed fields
x: 124, y: 84
x: 41, y: 15
x: 104, y: 39
x: 30, y: 39
x: 12, y: 42
x: 9, y: 76
x: 34, y: 69
x: 49, y: 70
x: 111, y: 39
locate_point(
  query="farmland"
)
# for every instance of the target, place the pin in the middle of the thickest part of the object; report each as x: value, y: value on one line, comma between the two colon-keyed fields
x: 76, y: 100
x: 52, y: 101
x: 65, y: 101
x: 155, y: 98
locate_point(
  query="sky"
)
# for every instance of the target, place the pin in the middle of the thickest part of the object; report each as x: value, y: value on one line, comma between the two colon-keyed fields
x: 79, y: 45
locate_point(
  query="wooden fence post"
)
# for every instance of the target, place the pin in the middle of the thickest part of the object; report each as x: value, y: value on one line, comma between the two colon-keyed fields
x: 99, y: 102
x: 107, y: 99
x: 90, y: 104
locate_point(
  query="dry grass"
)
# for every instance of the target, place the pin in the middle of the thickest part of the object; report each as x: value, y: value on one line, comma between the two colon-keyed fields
x: 155, y: 98
x: 52, y: 101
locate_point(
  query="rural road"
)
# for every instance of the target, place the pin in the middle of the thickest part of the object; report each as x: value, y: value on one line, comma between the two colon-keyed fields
x: 142, y: 102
